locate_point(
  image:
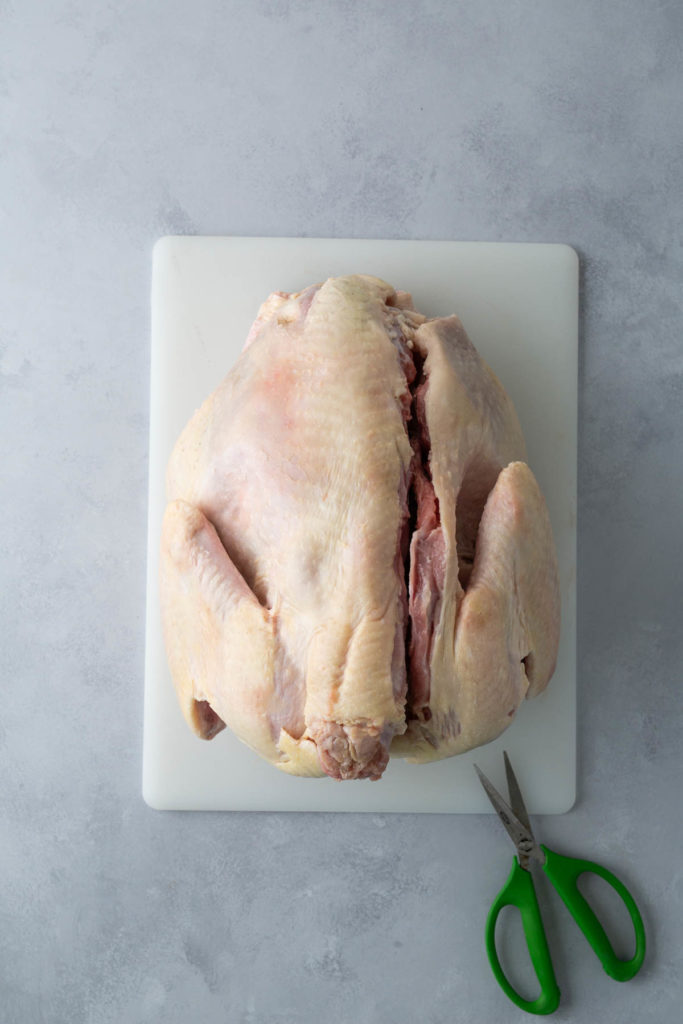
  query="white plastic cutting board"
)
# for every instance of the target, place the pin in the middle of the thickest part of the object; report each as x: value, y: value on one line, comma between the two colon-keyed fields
x: 519, y: 304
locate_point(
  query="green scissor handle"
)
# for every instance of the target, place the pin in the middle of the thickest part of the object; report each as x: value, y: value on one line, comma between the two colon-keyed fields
x: 519, y: 892
x: 564, y: 873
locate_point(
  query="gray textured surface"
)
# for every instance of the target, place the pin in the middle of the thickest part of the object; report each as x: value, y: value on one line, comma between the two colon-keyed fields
x: 125, y: 121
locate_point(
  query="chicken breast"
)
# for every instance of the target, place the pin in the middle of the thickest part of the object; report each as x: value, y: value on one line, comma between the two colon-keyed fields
x: 355, y: 558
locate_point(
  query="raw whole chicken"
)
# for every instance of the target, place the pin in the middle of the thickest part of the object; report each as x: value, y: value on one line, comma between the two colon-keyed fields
x: 356, y: 560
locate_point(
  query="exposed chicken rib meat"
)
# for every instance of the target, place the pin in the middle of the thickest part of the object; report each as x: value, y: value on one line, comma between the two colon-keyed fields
x: 328, y: 589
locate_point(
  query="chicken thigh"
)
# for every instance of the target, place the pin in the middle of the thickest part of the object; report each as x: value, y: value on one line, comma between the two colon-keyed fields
x: 355, y: 559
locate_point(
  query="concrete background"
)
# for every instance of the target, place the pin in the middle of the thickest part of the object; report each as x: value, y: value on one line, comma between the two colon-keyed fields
x: 496, y: 121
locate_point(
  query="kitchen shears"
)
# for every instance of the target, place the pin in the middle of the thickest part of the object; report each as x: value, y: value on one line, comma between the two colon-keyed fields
x: 563, y: 873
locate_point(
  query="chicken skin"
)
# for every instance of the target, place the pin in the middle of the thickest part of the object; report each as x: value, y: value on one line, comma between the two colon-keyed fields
x: 356, y: 561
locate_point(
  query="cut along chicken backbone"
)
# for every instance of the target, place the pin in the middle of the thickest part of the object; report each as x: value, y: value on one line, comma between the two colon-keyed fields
x: 356, y: 560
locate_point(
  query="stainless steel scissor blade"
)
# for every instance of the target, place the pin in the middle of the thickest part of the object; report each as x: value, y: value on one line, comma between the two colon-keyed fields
x: 515, y: 794
x: 519, y: 830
